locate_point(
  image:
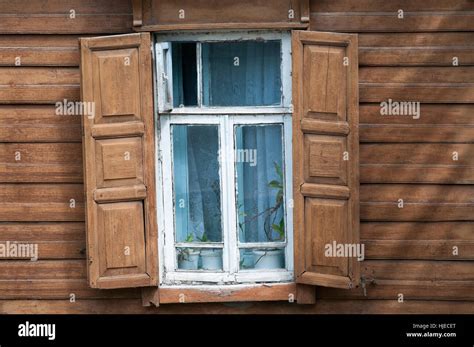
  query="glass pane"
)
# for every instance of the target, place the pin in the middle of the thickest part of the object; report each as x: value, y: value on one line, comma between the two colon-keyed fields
x: 184, y: 74
x: 241, y: 73
x: 199, y: 259
x: 262, y: 258
x: 260, y: 183
x: 196, y: 179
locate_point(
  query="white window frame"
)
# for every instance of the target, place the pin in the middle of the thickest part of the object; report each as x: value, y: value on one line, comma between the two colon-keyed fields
x: 225, y: 118
x: 164, y: 76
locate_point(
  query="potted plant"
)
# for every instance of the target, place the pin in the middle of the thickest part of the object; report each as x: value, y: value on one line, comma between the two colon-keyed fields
x: 188, y: 258
x: 211, y: 259
x: 274, y: 230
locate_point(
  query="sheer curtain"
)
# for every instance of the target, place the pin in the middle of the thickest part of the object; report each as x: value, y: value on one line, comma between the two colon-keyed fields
x: 197, y: 183
x: 256, y: 182
x: 241, y: 73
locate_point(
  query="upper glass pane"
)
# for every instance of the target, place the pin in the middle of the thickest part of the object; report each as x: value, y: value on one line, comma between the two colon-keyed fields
x: 246, y: 73
x: 184, y: 58
x: 197, y: 189
x: 260, y: 183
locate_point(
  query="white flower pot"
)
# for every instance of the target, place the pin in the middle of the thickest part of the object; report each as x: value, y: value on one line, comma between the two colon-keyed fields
x: 268, y: 259
x: 189, y: 261
x: 247, y: 261
x: 211, y: 259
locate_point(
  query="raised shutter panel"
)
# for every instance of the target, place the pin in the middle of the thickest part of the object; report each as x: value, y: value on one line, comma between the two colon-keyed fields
x: 325, y: 157
x: 119, y: 169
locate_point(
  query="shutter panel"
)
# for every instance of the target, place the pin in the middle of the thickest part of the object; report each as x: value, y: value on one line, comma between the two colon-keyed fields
x: 119, y: 173
x: 325, y: 133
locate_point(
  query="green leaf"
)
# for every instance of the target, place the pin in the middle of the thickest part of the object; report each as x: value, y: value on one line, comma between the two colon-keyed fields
x: 278, y: 170
x: 276, y: 227
x: 275, y: 184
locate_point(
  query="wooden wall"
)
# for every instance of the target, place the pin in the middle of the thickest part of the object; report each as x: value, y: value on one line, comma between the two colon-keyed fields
x: 409, y: 250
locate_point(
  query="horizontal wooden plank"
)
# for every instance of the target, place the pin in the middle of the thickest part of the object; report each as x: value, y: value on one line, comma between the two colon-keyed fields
x: 41, y: 202
x: 38, y: 85
x: 62, y: 23
x: 389, y: 21
x: 323, y: 306
x: 430, y: 114
x: 268, y: 292
x: 41, y: 162
x: 411, y: 290
x: 33, y: 232
x: 44, y: 50
x: 417, y: 231
x: 59, y: 289
x: 417, y: 193
x: 390, y: 6
x: 418, y: 154
x: 418, y: 40
x: 37, y: 124
x: 39, y: 94
x: 416, y: 56
x: 416, y: 133
x: 437, y: 123
x: 418, y: 92
x: 417, y: 249
x: 64, y: 6
x: 43, y: 41
x: 380, y: 202
x: 417, y: 163
x: 39, y: 56
x: 418, y: 270
x: 23, y: 76
x: 453, y: 74
x: 385, y: 211
x: 42, y: 269
x: 47, y: 250
x: 408, y: 173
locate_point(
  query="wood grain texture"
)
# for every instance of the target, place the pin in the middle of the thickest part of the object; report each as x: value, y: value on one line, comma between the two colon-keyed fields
x: 27, y: 85
x: 119, y: 166
x: 417, y: 163
x: 411, y: 290
x: 41, y: 203
x: 59, y: 289
x: 44, y: 50
x: 438, y: 215
x: 318, y: 160
x: 225, y: 14
x: 438, y: 123
x: 379, y: 202
x: 390, y: 6
x: 326, y: 306
x: 41, y: 163
x: 40, y: 123
x: 54, y: 17
x: 413, y: 21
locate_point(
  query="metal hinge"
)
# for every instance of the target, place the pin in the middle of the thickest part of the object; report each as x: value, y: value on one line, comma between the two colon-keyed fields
x: 363, y: 283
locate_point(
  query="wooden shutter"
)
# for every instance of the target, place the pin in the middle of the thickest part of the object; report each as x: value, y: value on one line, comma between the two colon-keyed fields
x: 119, y: 173
x: 325, y: 134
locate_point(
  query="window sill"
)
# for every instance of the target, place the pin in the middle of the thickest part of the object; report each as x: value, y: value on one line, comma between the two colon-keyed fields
x: 228, y: 293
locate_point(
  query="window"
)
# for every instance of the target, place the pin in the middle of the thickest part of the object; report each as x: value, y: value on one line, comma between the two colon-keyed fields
x: 221, y: 207
x: 225, y: 163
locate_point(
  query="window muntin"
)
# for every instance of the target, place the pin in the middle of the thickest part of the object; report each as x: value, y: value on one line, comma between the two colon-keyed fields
x: 238, y: 257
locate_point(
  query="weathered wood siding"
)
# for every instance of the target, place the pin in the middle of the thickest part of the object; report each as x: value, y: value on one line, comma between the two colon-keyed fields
x: 409, y: 250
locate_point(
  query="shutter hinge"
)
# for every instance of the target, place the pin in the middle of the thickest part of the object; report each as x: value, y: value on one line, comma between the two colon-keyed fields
x: 363, y: 283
